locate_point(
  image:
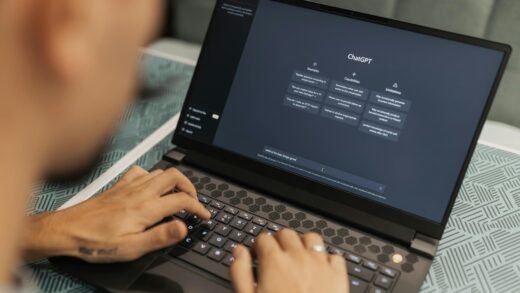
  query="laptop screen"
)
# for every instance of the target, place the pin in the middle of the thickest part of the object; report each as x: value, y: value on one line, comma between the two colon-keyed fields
x: 380, y: 112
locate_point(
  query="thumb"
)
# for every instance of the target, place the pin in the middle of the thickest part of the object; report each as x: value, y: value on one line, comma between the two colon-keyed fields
x: 242, y: 271
x: 158, y: 237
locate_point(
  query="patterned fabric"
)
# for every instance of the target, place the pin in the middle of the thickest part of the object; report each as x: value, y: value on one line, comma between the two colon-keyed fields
x: 479, y: 250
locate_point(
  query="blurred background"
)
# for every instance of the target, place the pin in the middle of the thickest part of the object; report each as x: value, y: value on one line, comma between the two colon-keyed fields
x: 497, y: 20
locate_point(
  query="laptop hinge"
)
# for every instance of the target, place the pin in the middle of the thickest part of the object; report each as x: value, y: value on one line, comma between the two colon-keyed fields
x: 424, y: 245
x: 176, y: 155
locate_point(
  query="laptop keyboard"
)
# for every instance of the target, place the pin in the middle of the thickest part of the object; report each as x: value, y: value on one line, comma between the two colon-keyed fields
x: 209, y: 246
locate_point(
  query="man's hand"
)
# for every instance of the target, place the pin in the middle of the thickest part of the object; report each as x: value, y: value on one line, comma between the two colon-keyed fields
x: 287, y: 263
x: 121, y: 224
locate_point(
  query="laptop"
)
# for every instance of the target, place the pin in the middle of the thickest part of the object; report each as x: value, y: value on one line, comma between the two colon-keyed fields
x: 315, y: 118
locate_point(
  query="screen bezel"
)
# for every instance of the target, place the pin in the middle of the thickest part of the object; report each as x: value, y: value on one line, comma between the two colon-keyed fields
x: 417, y: 223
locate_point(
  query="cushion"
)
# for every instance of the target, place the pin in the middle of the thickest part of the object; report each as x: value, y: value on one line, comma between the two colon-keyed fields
x: 468, y: 17
x: 504, y: 26
x: 506, y: 107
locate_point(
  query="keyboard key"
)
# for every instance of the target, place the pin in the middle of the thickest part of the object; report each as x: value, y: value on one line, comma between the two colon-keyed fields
x: 383, y: 282
x: 230, y: 246
x: 223, y: 230
x: 217, y: 205
x: 202, y: 233
x: 210, y: 224
x: 203, y: 199
x: 201, y: 248
x: 376, y: 290
x: 352, y: 258
x: 259, y: 221
x: 213, y: 212
x: 253, y: 229
x: 231, y: 210
x: 334, y: 250
x: 238, y: 223
x: 206, y: 237
x: 274, y: 227
x: 268, y: 232
x: 193, y: 219
x: 245, y: 216
x: 388, y: 272
x: 228, y: 260
x: 250, y: 240
x: 191, y: 228
x: 370, y: 265
x: 224, y: 217
x: 217, y: 241
x: 216, y: 254
x: 357, y: 286
x: 181, y: 214
x: 237, y: 236
x: 187, y: 242
x: 360, y: 272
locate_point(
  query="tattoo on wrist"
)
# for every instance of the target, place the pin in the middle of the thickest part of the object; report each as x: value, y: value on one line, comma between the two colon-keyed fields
x: 97, y: 252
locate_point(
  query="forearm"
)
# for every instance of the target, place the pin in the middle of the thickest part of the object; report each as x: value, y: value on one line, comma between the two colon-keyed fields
x: 46, y: 237
x: 8, y: 253
x: 11, y: 225
x: 23, y: 158
x: 7, y: 263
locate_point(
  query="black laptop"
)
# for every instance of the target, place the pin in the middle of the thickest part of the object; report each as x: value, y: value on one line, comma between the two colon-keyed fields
x: 318, y: 119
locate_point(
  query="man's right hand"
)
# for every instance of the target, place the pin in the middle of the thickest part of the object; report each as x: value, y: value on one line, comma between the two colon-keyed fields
x: 288, y: 263
x: 120, y: 224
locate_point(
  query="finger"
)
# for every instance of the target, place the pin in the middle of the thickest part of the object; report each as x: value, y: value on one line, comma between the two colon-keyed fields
x: 265, y: 246
x: 142, y: 179
x: 242, y: 271
x: 184, y: 184
x: 156, y: 238
x: 173, y: 203
x: 289, y: 240
x: 310, y: 240
x: 169, y: 180
x: 148, y: 177
x: 338, y: 264
x: 133, y: 174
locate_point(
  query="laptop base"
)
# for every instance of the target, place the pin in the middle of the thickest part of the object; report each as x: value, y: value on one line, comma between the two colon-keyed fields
x: 184, y: 268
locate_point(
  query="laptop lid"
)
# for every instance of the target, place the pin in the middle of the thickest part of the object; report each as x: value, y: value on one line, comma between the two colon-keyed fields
x: 366, y: 112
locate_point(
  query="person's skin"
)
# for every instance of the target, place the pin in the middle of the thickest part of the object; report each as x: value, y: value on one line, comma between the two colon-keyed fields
x: 67, y: 72
x: 114, y: 227
x: 287, y: 263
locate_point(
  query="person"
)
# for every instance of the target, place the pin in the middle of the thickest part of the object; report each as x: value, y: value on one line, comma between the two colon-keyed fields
x: 67, y: 72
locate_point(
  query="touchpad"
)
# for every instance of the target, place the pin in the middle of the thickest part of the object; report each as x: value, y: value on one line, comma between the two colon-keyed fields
x: 170, y: 276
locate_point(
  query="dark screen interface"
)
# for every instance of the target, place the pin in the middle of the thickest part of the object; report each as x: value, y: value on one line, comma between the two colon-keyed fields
x: 383, y: 113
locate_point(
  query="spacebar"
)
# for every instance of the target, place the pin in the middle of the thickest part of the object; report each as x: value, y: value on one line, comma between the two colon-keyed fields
x: 201, y: 262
